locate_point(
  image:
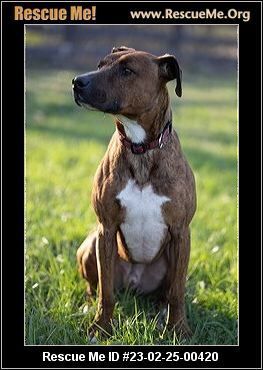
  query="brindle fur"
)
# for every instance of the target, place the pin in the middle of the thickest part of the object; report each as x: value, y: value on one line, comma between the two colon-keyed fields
x: 101, y: 255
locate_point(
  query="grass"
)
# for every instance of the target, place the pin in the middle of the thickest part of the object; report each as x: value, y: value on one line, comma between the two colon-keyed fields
x: 64, y: 145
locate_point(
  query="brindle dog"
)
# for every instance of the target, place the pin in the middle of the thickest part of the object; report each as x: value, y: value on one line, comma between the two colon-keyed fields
x: 144, y: 190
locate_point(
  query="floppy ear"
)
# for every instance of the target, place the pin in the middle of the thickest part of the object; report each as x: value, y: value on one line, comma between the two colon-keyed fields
x: 169, y: 70
x: 121, y: 48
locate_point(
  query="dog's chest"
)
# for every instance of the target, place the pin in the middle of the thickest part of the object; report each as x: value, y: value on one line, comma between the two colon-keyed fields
x: 143, y: 227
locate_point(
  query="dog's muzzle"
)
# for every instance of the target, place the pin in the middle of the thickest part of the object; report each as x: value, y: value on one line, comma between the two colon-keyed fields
x: 88, y: 93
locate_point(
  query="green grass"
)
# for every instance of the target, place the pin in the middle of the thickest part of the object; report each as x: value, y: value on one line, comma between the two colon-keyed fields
x: 64, y: 145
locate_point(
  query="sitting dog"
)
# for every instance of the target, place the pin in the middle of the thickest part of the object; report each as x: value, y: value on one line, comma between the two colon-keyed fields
x: 144, y: 190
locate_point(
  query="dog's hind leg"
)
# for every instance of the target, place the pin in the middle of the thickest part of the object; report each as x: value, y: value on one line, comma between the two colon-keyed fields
x: 87, y: 262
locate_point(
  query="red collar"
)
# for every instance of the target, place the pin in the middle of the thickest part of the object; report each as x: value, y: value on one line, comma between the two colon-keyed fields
x: 142, y: 148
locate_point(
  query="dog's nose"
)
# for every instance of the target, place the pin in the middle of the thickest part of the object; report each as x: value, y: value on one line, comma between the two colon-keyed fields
x: 80, y: 82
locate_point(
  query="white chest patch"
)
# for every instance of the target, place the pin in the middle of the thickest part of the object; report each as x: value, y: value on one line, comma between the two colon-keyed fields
x: 132, y: 129
x: 144, y: 227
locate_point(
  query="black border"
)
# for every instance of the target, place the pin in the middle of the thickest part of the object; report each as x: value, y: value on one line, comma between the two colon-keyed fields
x: 248, y: 353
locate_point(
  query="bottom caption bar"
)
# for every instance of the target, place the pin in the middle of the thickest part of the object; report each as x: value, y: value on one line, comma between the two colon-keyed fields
x: 132, y: 356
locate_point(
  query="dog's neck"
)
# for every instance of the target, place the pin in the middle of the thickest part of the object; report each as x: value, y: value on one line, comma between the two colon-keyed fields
x: 133, y: 130
x: 147, y: 126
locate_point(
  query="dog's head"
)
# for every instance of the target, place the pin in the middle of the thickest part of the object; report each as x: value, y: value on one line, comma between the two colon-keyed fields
x: 127, y: 82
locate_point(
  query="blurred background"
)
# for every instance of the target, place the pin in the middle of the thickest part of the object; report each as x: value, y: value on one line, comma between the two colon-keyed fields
x: 203, y: 48
x: 65, y: 143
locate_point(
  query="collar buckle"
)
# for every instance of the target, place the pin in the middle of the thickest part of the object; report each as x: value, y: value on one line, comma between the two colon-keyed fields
x: 160, y: 141
x: 164, y: 135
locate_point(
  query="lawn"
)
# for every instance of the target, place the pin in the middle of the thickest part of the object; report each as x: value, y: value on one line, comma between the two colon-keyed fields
x: 64, y: 145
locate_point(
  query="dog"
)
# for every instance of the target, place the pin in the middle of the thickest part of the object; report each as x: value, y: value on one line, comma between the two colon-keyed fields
x: 144, y: 189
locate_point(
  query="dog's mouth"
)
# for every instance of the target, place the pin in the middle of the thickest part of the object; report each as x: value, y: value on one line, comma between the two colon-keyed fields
x: 94, y: 100
x: 79, y: 100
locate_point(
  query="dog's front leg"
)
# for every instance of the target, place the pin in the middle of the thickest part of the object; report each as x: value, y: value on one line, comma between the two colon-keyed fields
x: 179, y: 252
x: 106, y: 250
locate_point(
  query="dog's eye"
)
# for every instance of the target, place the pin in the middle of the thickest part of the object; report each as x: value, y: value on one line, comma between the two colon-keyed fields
x: 127, y: 71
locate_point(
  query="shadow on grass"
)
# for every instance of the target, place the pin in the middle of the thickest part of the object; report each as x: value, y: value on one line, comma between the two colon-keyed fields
x: 217, y: 137
x: 199, y: 158
x: 86, y: 134
x: 209, y: 326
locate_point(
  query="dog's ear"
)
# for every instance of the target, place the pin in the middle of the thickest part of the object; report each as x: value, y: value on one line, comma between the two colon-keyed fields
x: 121, y: 48
x: 169, y: 70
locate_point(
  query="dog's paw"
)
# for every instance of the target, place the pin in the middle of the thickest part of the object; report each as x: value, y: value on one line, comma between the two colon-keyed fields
x: 183, y: 330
